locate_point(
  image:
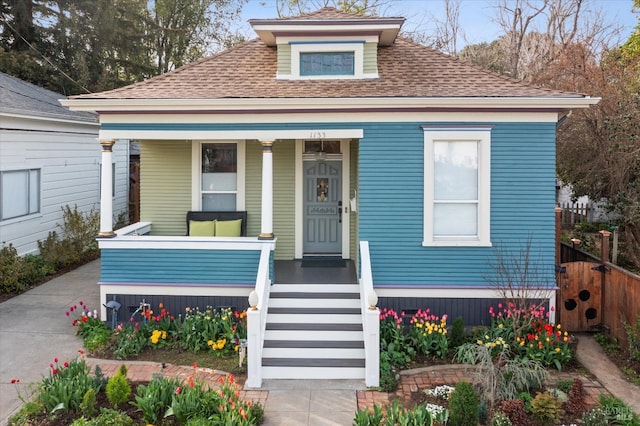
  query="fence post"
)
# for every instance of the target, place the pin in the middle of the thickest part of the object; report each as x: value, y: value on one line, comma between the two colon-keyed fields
x: 604, y: 246
x: 575, y: 242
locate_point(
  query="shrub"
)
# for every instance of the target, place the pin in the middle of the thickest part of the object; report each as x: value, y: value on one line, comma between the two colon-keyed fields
x: 88, y: 404
x: 500, y: 419
x: 463, y: 406
x: 575, y: 403
x: 545, y: 409
x: 11, y: 267
x: 118, y: 388
x: 514, y: 410
x: 501, y: 378
x: 457, y: 333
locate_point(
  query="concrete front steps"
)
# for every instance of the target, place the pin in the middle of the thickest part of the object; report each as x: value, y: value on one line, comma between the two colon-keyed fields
x: 314, y: 331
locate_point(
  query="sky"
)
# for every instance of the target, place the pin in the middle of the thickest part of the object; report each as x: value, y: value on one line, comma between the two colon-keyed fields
x: 475, y: 15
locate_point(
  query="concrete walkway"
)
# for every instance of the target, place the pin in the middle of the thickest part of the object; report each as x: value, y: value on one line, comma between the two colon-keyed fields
x: 34, y: 330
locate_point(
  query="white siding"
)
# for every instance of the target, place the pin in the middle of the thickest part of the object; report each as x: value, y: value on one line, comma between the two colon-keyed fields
x: 69, y: 156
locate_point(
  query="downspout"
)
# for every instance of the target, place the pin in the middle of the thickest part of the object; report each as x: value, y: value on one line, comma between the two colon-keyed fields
x: 564, y: 117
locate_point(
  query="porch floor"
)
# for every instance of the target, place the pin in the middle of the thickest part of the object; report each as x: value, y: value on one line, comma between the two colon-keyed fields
x: 293, y: 272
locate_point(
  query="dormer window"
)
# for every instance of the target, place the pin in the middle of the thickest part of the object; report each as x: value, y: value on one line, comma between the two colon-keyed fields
x: 326, y: 63
x: 327, y: 45
x: 322, y: 60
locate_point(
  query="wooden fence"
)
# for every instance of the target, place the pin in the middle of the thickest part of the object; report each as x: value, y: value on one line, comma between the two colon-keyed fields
x: 594, y: 294
x: 573, y: 213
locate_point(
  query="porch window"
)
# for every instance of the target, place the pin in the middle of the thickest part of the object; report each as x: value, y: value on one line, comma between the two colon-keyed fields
x: 457, y: 187
x: 19, y: 193
x: 219, y: 177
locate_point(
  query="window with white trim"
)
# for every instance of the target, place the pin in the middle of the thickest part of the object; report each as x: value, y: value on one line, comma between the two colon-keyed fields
x: 327, y: 60
x: 19, y: 193
x: 219, y: 176
x: 457, y: 180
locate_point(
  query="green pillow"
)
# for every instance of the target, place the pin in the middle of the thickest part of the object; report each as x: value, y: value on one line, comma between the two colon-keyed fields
x: 228, y: 228
x: 202, y: 228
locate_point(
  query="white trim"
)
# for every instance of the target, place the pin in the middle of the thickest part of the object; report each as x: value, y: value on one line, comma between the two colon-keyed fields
x: 327, y: 39
x: 184, y: 243
x: 452, y: 293
x: 220, y: 136
x: 196, y: 168
x: 50, y: 118
x: 299, y: 197
x: 483, y: 137
x: 299, y: 201
x: 346, y: 181
x: 333, y: 117
x: 266, y: 104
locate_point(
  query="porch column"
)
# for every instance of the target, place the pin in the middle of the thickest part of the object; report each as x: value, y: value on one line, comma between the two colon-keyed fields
x: 106, y: 191
x: 266, y: 228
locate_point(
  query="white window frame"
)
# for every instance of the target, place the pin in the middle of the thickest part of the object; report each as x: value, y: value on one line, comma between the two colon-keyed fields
x: 196, y: 172
x: 29, y: 183
x: 326, y: 47
x: 481, y: 135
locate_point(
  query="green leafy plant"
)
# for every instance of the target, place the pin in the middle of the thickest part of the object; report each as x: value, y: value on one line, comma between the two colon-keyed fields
x: 608, y: 343
x: 457, y: 333
x: 155, y: 398
x: 366, y: 417
x: 617, y: 411
x: 526, y: 398
x: 463, y: 406
x: 633, y: 338
x: 66, y: 385
x: 107, y: 417
x: 118, y: 388
x: 545, y: 409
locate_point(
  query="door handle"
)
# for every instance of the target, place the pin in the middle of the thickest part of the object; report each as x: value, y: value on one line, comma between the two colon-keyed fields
x: 339, y: 211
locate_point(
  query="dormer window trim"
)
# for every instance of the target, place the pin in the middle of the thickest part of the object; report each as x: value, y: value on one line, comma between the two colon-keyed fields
x: 328, y: 47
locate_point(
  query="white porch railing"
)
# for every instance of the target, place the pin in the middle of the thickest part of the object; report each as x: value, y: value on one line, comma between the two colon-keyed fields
x: 370, y: 319
x: 138, y: 228
x: 257, y: 320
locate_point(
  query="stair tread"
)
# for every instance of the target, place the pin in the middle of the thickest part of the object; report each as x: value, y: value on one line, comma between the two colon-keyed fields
x: 312, y: 362
x: 338, y: 344
x: 322, y: 311
x: 314, y: 326
x: 311, y: 295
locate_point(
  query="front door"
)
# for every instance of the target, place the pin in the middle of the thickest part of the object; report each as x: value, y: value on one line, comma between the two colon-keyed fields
x: 322, y: 207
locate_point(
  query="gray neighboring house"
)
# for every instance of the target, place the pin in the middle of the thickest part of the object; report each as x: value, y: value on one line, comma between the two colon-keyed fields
x: 49, y: 158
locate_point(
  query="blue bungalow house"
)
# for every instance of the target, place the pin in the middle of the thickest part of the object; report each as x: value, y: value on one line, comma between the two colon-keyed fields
x: 343, y: 168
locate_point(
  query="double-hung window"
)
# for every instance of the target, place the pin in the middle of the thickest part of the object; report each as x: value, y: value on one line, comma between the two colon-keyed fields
x: 19, y: 193
x: 219, y: 177
x: 457, y: 186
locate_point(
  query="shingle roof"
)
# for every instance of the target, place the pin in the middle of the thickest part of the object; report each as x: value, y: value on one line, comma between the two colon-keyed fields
x: 405, y: 69
x: 328, y: 13
x: 20, y: 97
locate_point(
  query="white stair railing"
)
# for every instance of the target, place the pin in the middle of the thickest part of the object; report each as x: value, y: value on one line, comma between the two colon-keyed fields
x: 370, y: 319
x: 257, y: 319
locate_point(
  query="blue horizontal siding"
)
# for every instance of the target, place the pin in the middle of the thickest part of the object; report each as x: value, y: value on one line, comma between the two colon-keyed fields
x: 391, y: 191
x: 179, y: 266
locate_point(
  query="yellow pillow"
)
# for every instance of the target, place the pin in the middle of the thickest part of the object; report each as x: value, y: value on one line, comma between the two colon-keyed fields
x: 202, y: 228
x: 229, y: 228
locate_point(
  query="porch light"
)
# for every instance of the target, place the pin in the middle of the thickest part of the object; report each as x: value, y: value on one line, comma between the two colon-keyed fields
x: 372, y: 299
x: 253, y: 300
